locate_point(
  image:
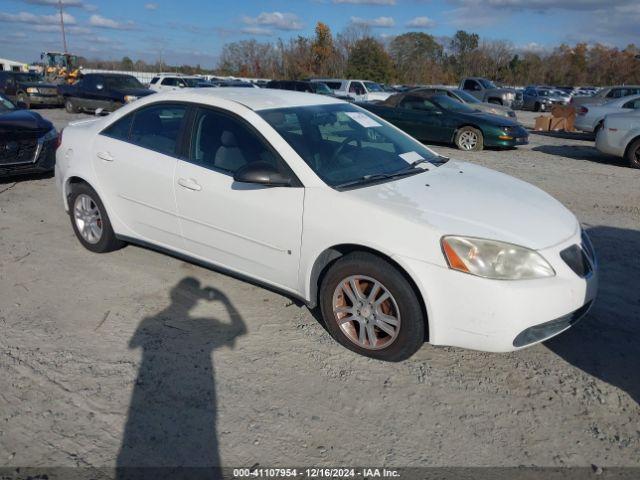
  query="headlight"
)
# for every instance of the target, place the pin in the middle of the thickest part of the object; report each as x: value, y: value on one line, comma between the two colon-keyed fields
x: 32, y: 90
x: 493, y: 259
x: 129, y: 98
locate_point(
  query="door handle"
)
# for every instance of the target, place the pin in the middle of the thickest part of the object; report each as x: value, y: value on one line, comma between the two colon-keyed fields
x: 106, y: 156
x: 189, y: 183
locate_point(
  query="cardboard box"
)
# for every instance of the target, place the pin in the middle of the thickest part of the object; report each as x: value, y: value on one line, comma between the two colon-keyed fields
x: 563, y: 111
x: 558, y: 124
x: 543, y: 123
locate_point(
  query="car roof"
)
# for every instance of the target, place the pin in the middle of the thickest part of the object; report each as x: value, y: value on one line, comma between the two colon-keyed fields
x: 253, y: 98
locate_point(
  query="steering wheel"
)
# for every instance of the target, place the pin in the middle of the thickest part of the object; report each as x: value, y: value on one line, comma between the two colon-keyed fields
x: 354, y: 136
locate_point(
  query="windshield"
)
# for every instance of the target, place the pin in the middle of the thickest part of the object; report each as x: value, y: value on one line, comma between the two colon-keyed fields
x: 124, y: 81
x: 373, y: 87
x: 487, y: 83
x: 450, y: 104
x: 467, y: 97
x: 5, y: 105
x: 28, y: 77
x: 321, y: 88
x: 343, y: 143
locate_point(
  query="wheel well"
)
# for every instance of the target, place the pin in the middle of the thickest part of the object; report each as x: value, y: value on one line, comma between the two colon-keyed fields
x: 631, y: 142
x: 71, y: 181
x: 327, y: 258
x: 495, y: 100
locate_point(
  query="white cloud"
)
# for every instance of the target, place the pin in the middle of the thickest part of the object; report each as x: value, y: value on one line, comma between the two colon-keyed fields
x: 277, y: 20
x: 65, y: 3
x: 380, y: 22
x: 30, y: 18
x: 104, y: 22
x: 257, y: 31
x: 151, y: 6
x: 367, y: 2
x: 421, y: 22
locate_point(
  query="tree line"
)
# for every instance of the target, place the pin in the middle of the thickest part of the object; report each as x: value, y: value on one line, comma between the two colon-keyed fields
x: 411, y: 58
x: 420, y: 58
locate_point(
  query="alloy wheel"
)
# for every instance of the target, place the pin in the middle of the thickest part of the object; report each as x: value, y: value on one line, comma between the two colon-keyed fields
x: 468, y: 140
x: 366, y: 312
x: 88, y: 219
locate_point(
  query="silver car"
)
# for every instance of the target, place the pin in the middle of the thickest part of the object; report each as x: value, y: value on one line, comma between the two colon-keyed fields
x: 543, y: 99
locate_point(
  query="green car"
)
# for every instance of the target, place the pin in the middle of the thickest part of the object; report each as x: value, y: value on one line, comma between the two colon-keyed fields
x: 431, y: 117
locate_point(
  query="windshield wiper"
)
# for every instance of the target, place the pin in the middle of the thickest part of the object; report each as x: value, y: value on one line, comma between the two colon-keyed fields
x: 410, y: 170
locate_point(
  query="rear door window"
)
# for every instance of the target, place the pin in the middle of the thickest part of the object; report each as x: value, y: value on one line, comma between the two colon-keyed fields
x: 157, y: 127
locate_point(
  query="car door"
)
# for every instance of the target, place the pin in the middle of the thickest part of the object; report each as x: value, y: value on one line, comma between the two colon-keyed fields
x: 422, y: 119
x: 251, y: 229
x: 135, y: 161
x: 357, y: 91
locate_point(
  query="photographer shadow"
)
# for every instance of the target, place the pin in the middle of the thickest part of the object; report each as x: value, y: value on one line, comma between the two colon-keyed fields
x: 171, y: 425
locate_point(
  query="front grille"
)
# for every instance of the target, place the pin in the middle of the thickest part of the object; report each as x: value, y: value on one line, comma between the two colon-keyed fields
x: 47, y: 91
x: 14, y: 152
x: 577, y: 260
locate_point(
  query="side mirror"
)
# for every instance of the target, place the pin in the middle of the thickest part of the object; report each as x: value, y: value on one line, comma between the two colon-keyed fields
x: 262, y: 173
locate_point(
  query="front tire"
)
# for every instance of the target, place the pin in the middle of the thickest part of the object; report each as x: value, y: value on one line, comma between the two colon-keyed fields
x: 469, y: 139
x: 90, y: 221
x: 633, y: 154
x: 369, y: 307
x: 23, y: 99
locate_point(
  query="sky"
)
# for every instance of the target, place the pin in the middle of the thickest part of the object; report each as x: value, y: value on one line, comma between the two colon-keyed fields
x: 194, y: 31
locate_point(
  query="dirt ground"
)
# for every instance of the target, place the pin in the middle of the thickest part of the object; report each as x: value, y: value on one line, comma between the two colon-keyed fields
x: 98, y: 351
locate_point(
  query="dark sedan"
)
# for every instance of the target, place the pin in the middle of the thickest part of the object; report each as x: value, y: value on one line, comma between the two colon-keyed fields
x: 27, y: 141
x: 438, y: 118
x: 107, y: 92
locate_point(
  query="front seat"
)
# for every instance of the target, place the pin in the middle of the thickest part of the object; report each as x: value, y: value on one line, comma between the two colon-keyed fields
x: 229, y: 156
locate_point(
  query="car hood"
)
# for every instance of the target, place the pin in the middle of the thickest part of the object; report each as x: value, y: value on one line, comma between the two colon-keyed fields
x: 490, y: 107
x: 23, y: 120
x: 488, y: 118
x: 378, y: 95
x: 460, y: 198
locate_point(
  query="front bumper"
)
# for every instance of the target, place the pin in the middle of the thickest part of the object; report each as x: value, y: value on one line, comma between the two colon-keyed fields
x: 519, y: 136
x: 38, y: 99
x: 43, y: 160
x: 604, y: 144
x: 472, y: 312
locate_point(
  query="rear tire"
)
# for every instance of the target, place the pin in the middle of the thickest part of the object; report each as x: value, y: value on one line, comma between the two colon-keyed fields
x: 383, y: 295
x: 537, y: 107
x: 90, y: 221
x: 633, y: 154
x: 70, y: 107
x: 469, y: 139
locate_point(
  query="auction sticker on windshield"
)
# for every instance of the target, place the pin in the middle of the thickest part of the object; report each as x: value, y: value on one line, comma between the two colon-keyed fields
x: 362, y: 119
x: 411, y: 157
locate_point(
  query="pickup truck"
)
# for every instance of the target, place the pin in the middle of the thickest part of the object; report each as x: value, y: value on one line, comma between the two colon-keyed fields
x: 355, y: 90
x: 107, y: 92
x: 487, y: 91
x: 28, y: 89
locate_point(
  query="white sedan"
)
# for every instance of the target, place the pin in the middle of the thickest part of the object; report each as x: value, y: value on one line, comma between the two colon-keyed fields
x: 590, y: 118
x: 327, y: 202
x: 620, y: 136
